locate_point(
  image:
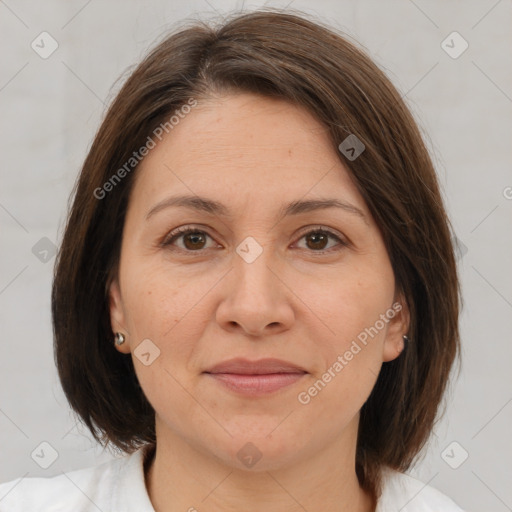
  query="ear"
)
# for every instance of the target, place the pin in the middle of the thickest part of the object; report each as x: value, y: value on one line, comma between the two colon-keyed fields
x: 398, y: 327
x: 117, y: 316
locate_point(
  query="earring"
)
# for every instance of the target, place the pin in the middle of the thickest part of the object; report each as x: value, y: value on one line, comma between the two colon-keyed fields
x: 119, y: 338
x: 405, y: 341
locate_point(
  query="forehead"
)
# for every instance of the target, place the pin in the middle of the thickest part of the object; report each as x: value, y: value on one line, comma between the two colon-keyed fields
x: 246, y: 146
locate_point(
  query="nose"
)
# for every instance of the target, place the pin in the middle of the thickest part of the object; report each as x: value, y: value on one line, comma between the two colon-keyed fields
x: 256, y: 299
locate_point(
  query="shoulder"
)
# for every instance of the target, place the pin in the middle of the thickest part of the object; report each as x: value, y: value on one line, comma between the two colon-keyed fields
x: 77, y: 489
x: 401, y: 492
x: 102, y: 487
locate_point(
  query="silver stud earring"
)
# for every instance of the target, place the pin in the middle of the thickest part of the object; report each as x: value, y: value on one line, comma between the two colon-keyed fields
x: 405, y: 340
x: 119, y: 338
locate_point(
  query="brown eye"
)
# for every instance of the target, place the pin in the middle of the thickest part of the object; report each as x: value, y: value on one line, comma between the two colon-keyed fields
x: 191, y: 239
x: 194, y: 240
x: 318, y: 240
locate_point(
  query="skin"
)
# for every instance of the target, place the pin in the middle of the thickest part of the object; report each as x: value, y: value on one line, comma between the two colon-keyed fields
x: 205, y: 304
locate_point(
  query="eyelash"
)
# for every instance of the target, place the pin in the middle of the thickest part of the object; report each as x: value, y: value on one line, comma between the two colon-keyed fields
x: 180, y: 232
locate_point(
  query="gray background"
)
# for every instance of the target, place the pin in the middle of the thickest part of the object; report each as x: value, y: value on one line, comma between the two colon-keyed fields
x: 52, y: 107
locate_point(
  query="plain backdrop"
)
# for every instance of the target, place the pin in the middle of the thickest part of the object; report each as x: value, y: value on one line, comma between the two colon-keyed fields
x: 51, y: 108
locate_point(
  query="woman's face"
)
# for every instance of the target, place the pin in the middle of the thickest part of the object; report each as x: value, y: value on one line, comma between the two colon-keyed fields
x: 256, y: 278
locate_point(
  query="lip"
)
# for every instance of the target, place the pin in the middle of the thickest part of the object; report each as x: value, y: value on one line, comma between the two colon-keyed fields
x: 266, y: 366
x: 256, y: 378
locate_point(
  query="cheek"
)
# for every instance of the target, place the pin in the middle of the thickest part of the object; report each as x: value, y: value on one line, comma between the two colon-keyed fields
x: 352, y: 307
x: 159, y: 299
x: 351, y: 358
x: 172, y: 311
x: 168, y: 312
x: 352, y: 301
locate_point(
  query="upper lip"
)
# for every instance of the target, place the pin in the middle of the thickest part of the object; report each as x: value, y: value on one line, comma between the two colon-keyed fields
x: 258, y: 367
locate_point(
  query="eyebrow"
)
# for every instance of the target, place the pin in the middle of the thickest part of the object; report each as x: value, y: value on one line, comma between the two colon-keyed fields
x: 216, y: 208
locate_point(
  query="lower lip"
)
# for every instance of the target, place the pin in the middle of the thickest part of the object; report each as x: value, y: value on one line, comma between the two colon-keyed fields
x: 256, y: 384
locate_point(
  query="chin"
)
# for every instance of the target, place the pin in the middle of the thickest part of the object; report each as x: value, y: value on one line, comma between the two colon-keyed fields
x: 261, y: 447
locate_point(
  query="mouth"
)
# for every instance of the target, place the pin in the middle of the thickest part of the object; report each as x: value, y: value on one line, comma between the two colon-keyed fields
x: 255, y: 378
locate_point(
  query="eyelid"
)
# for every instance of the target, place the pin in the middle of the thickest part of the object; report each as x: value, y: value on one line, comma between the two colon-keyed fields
x: 319, y: 227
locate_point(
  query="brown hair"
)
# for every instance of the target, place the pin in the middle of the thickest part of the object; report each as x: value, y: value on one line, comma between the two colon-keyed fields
x: 282, y: 55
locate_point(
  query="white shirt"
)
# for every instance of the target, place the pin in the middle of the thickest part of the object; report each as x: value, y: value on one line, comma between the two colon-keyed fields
x: 119, y: 486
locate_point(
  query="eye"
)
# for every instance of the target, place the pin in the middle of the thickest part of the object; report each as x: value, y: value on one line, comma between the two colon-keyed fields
x: 317, y: 240
x: 193, y: 239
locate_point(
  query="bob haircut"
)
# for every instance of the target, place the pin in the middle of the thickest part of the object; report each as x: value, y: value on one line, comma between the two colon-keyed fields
x: 281, y: 55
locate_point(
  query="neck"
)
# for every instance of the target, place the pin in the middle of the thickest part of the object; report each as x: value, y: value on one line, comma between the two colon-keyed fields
x: 180, y: 477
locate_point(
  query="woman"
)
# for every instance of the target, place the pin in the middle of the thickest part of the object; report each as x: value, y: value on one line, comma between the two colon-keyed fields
x: 256, y: 296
